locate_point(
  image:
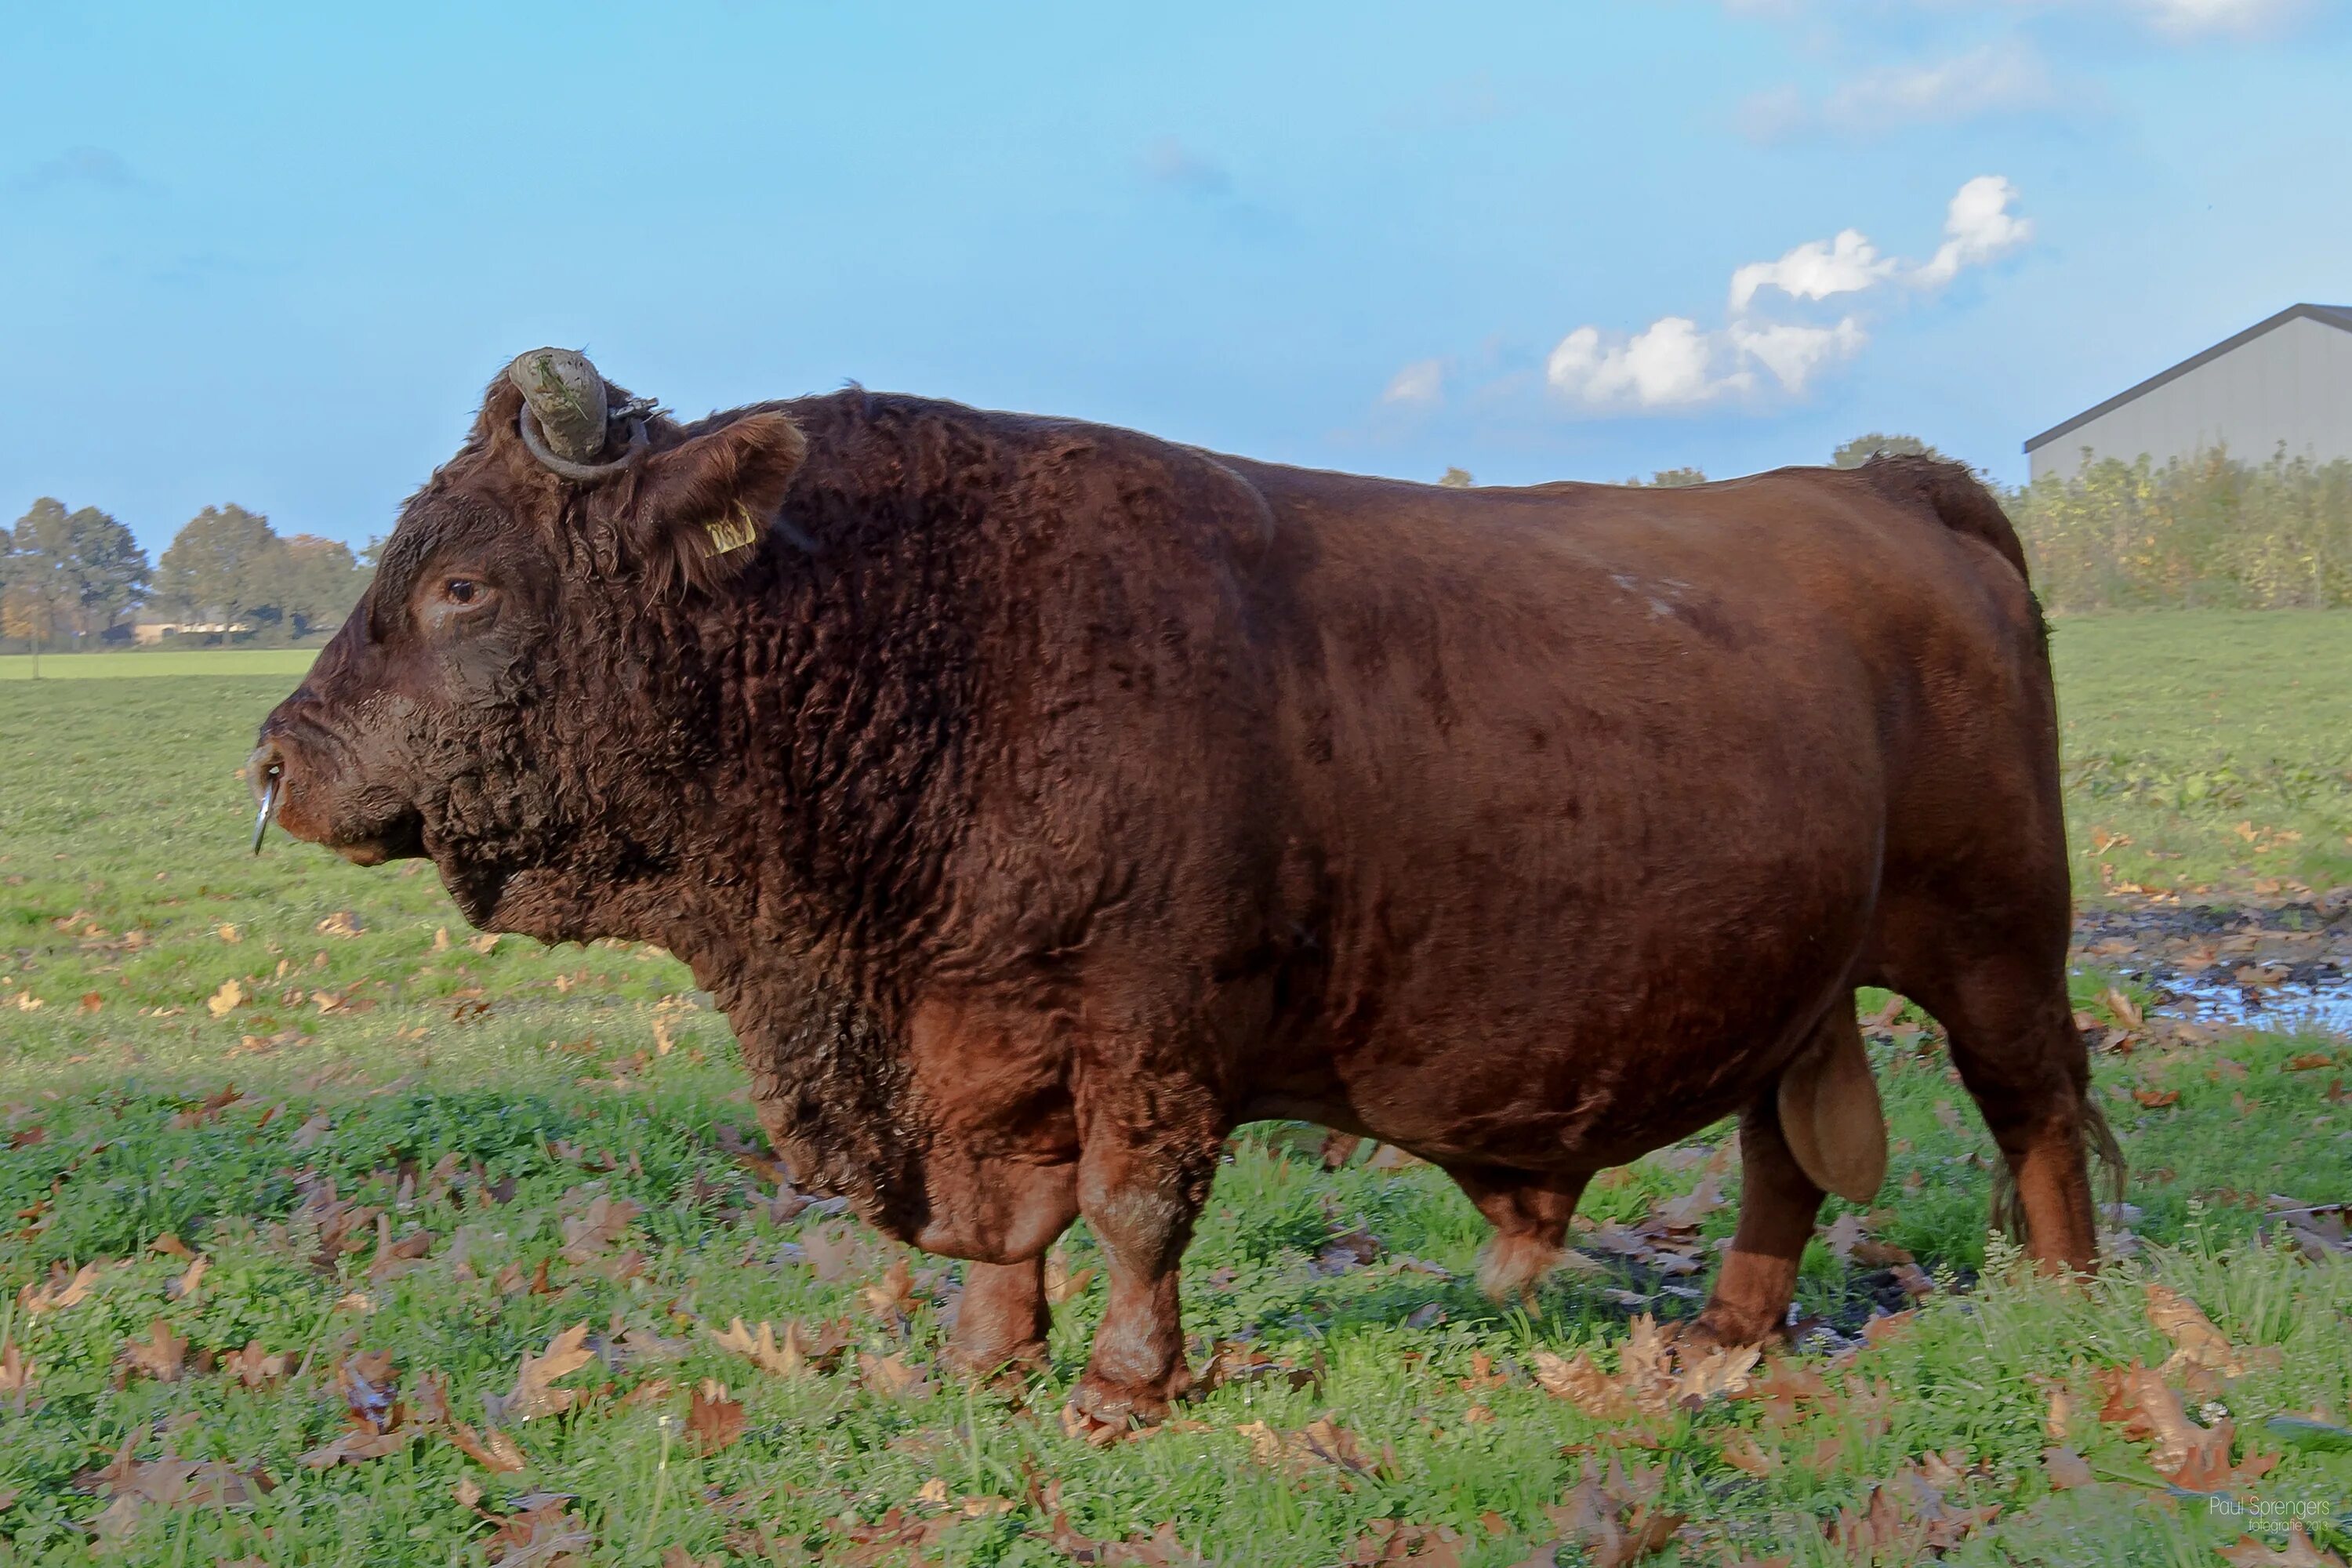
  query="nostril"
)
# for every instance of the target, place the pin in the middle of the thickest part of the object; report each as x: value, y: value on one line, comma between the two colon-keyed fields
x: 263, y: 769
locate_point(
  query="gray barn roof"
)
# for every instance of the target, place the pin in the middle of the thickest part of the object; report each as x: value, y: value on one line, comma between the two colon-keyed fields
x: 2338, y: 316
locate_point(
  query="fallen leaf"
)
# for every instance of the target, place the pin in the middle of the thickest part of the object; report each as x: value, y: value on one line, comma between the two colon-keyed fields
x: 174, y: 1482
x: 829, y: 1251
x: 1719, y: 1370
x: 162, y: 1355
x: 354, y: 1445
x: 534, y: 1392
x: 1577, y: 1380
x: 787, y: 1357
x: 607, y: 1221
x: 370, y: 1389
x: 55, y: 1296
x: 227, y: 999
x: 1744, y: 1454
x: 1887, y: 1327
x: 1785, y: 1385
x: 255, y: 1367
x: 1616, y: 1518
x: 1063, y: 1284
x: 890, y: 1375
x: 16, y: 1369
x: 184, y: 1286
x: 541, y: 1535
x: 493, y: 1450
x: 2300, y: 1551
x: 1684, y: 1212
x: 893, y: 1297
x: 2196, y: 1341
x: 715, y: 1420
x: 2191, y: 1456
x: 2060, y: 1420
x: 2064, y: 1467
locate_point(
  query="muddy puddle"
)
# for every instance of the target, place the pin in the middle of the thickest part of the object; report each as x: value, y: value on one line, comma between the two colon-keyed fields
x: 2280, y: 965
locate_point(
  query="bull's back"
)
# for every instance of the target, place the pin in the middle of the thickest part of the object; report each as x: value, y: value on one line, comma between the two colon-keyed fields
x: 1599, y: 784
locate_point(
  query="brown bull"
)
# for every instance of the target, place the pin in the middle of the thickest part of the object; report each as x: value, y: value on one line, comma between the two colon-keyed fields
x: 1040, y: 801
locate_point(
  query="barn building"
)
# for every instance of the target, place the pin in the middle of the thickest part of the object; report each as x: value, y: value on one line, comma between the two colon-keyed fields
x: 2284, y: 380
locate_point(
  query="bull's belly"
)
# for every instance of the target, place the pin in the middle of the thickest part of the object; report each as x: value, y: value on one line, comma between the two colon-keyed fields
x: 1574, y: 1050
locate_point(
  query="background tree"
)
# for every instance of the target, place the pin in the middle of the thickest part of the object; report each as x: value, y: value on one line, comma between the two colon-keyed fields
x: 1456, y: 478
x: 1862, y: 448
x: 228, y: 566
x: 218, y: 567
x: 1671, y: 478
x: 70, y: 574
x: 320, y: 580
x: 110, y: 571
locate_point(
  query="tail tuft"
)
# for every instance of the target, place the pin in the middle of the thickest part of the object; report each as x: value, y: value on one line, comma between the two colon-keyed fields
x: 1952, y: 493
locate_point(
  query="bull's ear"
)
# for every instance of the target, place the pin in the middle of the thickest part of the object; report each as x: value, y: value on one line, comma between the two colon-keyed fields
x: 702, y: 509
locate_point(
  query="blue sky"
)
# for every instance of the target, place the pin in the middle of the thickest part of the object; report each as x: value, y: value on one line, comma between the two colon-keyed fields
x: 272, y: 255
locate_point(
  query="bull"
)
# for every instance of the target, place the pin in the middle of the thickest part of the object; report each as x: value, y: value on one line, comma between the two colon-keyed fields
x: 1041, y: 801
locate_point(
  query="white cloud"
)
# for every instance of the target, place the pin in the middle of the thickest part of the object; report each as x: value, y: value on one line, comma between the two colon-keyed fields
x: 1422, y: 381
x: 1977, y: 227
x: 1668, y: 364
x: 2190, y: 18
x: 1793, y: 352
x: 2181, y: 19
x: 2002, y: 77
x: 1674, y: 363
x: 1815, y: 270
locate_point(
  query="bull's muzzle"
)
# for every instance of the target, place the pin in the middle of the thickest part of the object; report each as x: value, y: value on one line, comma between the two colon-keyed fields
x: 264, y: 771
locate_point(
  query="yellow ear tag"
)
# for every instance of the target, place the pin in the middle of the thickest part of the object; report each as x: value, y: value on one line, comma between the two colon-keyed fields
x: 729, y: 534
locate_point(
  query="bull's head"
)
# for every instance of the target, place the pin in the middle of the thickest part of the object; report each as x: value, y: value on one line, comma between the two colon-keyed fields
x: 513, y: 696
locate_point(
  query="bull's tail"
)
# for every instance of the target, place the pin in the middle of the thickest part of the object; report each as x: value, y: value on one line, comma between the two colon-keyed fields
x: 1953, y: 494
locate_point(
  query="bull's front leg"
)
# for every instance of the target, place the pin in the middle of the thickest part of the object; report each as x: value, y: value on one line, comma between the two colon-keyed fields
x: 1142, y: 1183
x: 1001, y: 1320
x: 1002, y: 1216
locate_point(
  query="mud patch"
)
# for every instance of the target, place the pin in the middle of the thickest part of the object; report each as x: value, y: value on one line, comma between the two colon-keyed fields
x: 2278, y: 963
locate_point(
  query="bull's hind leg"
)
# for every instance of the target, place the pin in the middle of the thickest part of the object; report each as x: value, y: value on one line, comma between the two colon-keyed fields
x: 1778, y: 1202
x: 1530, y: 1217
x: 2023, y: 1062
x: 1997, y: 982
x: 1001, y: 1319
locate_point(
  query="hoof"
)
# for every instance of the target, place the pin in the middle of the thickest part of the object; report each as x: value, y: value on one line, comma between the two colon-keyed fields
x: 1511, y: 1266
x: 1006, y: 1369
x: 1731, y: 1327
x: 1119, y: 1406
x: 1076, y: 1423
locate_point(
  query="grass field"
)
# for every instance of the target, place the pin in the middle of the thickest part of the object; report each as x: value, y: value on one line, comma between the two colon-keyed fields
x: 286, y: 661
x: 2208, y: 747
x: 342, y: 1237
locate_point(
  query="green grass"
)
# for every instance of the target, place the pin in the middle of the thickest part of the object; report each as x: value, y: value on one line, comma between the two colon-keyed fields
x: 533, y: 1081
x: 2208, y: 747
x: 286, y: 661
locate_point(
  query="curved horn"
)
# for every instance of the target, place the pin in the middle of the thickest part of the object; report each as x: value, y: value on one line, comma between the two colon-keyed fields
x: 565, y: 397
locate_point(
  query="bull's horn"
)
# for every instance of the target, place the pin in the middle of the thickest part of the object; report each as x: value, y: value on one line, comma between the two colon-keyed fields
x: 565, y: 397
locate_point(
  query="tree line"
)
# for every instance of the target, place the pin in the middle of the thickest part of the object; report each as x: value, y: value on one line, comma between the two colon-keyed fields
x: 78, y: 579
x: 2211, y: 531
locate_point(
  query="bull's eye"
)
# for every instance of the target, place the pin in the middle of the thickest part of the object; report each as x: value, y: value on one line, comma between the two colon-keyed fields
x: 461, y: 590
